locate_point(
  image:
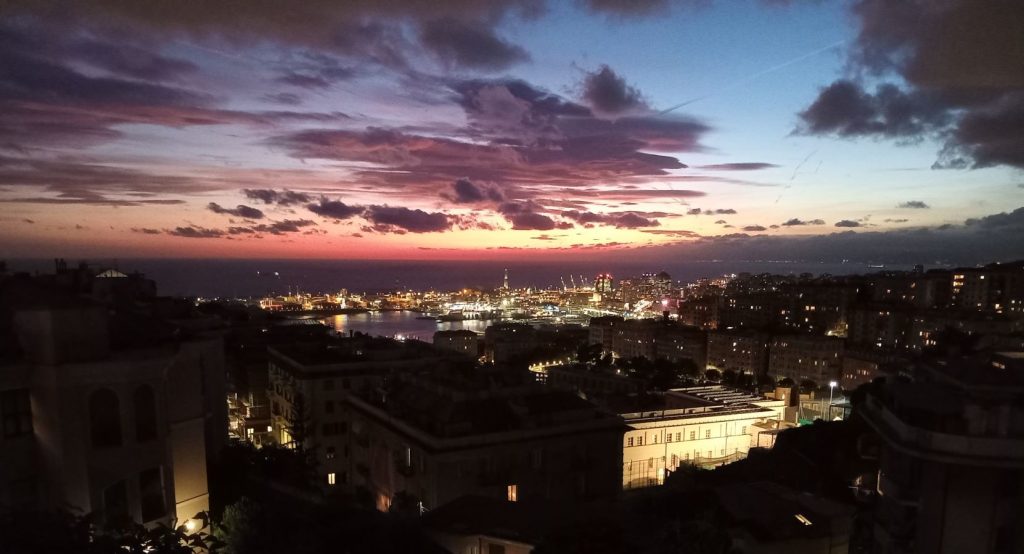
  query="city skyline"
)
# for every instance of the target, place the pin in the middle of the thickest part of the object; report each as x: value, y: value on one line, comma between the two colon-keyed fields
x: 473, y: 130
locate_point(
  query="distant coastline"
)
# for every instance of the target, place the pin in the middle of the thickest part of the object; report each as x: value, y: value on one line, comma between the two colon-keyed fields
x: 257, y: 278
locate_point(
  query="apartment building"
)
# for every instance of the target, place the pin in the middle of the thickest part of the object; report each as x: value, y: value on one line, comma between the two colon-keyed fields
x: 462, y: 341
x: 951, y: 461
x: 702, y: 426
x: 108, y: 412
x: 740, y: 351
x: 805, y: 357
x: 310, y: 384
x: 436, y: 438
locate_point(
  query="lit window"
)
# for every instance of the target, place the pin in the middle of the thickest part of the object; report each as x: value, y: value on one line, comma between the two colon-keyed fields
x: 331, y: 478
x: 513, y: 493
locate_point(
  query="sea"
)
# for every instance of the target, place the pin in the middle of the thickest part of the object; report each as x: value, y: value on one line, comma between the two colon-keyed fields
x: 234, y: 278
x: 400, y: 324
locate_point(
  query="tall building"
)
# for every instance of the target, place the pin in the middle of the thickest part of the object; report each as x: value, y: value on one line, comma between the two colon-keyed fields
x: 742, y: 351
x: 805, y: 357
x: 951, y: 462
x: 106, y: 410
x: 604, y: 283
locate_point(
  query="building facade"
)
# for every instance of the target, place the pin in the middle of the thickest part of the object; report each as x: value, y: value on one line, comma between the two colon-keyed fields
x: 701, y: 426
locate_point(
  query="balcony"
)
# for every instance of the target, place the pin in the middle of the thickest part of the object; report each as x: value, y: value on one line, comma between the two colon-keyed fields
x: 948, y: 447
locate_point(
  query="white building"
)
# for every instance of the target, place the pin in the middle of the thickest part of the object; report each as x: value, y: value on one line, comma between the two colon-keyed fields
x: 703, y: 426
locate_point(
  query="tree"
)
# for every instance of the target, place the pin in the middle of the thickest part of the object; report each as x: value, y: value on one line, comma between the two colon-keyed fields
x: 242, y: 528
x: 713, y: 375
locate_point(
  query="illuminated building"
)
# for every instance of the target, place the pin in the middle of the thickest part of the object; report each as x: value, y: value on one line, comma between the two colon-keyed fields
x: 602, y: 331
x: 701, y: 426
x: 659, y: 338
x: 805, y: 357
x: 604, y: 283
x: 462, y: 341
x: 740, y: 351
x: 505, y: 341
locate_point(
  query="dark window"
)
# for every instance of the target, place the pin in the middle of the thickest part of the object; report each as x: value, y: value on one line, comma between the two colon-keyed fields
x: 151, y: 494
x: 115, y: 504
x: 329, y: 384
x: 495, y: 548
x: 105, y: 418
x: 329, y: 407
x: 17, y: 413
x: 145, y: 414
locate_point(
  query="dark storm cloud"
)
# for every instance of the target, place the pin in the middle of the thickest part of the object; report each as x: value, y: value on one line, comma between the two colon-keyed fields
x: 282, y: 227
x: 240, y: 211
x: 194, y: 232
x: 389, y: 218
x: 465, y: 192
x: 738, y: 166
x: 799, y: 222
x: 279, y: 197
x: 334, y: 209
x: 1012, y: 222
x: 470, y: 44
x: 608, y: 94
x: 522, y: 138
x: 961, y: 61
x: 845, y: 109
x: 848, y: 223
x: 534, y: 222
x: 979, y: 240
x: 914, y: 204
x: 620, y: 220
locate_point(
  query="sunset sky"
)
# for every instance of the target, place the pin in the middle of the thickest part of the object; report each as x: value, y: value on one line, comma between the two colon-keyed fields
x: 475, y: 129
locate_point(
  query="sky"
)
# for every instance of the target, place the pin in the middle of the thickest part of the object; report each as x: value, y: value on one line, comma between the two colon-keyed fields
x: 524, y: 129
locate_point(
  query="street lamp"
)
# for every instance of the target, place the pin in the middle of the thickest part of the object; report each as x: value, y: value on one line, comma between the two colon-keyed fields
x: 831, y: 387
